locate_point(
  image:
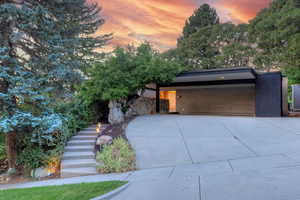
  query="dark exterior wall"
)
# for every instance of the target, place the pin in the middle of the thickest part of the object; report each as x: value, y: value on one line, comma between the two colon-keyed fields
x: 269, y: 95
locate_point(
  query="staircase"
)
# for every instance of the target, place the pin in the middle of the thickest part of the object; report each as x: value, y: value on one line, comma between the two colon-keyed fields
x: 79, y: 156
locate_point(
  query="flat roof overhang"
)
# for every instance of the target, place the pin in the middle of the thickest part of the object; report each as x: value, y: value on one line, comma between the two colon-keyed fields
x: 214, y: 77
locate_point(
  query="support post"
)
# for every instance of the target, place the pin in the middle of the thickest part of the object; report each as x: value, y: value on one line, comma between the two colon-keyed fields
x: 157, y: 99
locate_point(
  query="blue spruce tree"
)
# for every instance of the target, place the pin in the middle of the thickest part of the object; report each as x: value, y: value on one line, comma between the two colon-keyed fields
x: 44, y: 49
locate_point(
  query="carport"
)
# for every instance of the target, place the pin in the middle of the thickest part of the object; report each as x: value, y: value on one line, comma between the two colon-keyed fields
x: 238, y: 91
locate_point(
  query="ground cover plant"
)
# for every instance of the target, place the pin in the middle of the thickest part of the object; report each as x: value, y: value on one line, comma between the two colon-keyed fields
x: 83, y: 191
x: 116, y: 158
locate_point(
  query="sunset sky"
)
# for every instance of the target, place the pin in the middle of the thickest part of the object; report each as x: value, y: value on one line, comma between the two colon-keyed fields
x: 161, y: 21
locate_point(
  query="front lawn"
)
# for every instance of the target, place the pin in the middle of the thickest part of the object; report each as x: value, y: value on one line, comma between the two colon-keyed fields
x: 83, y: 191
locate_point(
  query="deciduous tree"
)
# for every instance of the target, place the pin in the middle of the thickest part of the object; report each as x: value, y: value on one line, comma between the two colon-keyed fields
x: 127, y: 72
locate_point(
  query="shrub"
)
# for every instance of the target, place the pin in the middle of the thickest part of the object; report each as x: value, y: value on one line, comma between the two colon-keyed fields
x: 78, y: 114
x: 39, y: 146
x: 2, y: 152
x: 2, y: 147
x: 116, y: 158
x: 32, y: 157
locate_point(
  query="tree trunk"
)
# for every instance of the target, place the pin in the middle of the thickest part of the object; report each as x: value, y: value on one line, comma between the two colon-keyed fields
x: 11, y: 150
x: 11, y: 137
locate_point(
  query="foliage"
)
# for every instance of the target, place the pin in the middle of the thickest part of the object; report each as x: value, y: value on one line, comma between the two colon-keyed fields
x: 44, y: 48
x: 220, y: 45
x: 53, y: 38
x: 37, y: 149
x: 276, y: 30
x: 2, y: 147
x: 84, y: 191
x: 197, y: 51
x: 202, y: 17
x: 117, y: 157
x: 78, y: 114
x: 270, y: 41
x: 127, y: 72
x: 32, y: 157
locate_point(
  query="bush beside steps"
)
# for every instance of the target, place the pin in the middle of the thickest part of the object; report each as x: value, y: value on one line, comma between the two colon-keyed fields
x: 117, y: 157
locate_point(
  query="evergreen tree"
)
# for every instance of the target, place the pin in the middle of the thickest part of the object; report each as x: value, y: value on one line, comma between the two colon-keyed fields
x: 203, y: 16
x: 276, y: 31
x: 233, y: 44
x: 43, y: 46
x: 220, y: 45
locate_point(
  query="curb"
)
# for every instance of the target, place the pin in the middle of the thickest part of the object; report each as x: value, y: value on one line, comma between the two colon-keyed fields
x: 111, y: 194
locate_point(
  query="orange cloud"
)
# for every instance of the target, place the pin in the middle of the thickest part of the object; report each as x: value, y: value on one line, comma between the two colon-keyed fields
x: 241, y: 10
x: 161, y: 21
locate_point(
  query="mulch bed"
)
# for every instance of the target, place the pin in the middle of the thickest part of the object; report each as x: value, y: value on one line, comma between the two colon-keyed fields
x: 118, y: 130
x: 18, y: 178
x: 115, y: 131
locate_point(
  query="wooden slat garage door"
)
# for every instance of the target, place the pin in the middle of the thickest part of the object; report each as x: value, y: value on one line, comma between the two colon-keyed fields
x: 233, y: 100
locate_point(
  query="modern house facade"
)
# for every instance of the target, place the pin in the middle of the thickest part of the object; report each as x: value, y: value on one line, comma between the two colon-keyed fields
x: 237, y: 91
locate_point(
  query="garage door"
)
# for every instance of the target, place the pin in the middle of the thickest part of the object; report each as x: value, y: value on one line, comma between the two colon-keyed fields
x: 233, y: 100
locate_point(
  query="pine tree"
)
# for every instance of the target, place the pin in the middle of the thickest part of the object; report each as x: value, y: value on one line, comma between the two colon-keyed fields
x: 276, y: 31
x: 76, y: 22
x: 43, y: 47
x: 203, y: 16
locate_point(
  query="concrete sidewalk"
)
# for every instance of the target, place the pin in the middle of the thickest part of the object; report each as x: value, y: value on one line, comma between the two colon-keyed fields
x: 275, y: 184
x: 268, y: 179
x: 63, y: 181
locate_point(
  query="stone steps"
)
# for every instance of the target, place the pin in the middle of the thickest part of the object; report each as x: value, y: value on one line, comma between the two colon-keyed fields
x: 79, y: 148
x: 80, y: 143
x: 80, y: 171
x: 79, y: 156
x: 86, y: 133
x: 84, y: 137
x: 78, y: 163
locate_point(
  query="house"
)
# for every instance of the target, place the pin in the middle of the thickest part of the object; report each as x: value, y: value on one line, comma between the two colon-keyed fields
x: 236, y: 91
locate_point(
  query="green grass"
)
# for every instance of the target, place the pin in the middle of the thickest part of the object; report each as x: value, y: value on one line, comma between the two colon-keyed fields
x: 83, y: 191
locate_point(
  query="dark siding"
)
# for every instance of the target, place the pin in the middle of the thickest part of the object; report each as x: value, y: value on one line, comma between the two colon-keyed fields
x: 269, y: 95
x: 157, y: 99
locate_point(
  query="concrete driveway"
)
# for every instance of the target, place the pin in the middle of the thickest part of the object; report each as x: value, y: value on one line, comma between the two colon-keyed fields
x: 170, y: 140
x: 213, y: 158
x: 208, y: 158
